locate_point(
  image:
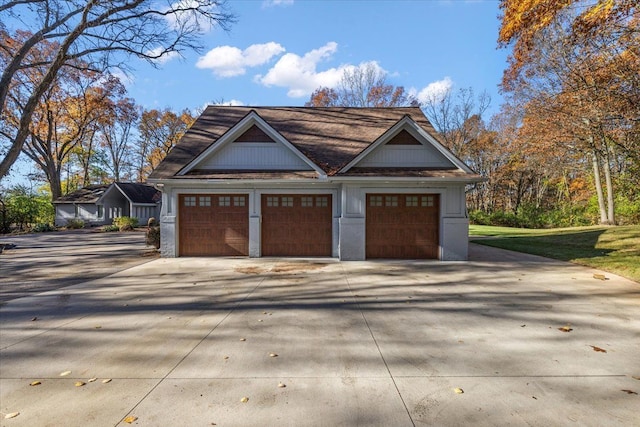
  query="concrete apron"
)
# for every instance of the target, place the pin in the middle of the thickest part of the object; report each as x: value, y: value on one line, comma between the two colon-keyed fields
x: 387, y: 343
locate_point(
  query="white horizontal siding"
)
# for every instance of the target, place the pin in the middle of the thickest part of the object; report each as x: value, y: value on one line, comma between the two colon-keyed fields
x: 255, y: 156
x: 405, y: 156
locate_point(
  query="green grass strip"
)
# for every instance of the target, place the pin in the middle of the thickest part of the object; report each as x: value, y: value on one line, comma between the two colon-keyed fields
x: 613, y: 249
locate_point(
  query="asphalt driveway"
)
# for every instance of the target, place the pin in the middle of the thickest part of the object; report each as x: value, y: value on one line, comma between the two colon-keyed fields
x: 527, y: 340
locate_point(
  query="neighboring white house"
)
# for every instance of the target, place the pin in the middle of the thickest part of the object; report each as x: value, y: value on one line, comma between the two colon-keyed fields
x: 99, y: 204
x: 352, y: 183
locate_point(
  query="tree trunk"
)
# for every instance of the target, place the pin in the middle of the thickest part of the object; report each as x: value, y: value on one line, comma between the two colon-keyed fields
x: 598, y: 183
x: 610, y: 199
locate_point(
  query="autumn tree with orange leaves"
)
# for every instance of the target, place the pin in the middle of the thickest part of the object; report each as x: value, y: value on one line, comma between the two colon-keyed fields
x: 363, y: 86
x: 575, y: 70
x: 100, y: 34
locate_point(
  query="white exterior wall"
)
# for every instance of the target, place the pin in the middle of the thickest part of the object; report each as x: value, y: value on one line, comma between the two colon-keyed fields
x: 405, y: 155
x: 349, y: 213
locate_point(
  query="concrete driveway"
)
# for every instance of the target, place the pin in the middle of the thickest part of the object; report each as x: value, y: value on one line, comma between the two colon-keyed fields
x: 46, y: 261
x: 320, y: 342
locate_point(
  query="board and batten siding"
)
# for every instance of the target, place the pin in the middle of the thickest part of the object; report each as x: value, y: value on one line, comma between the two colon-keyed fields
x: 255, y: 156
x: 406, y: 155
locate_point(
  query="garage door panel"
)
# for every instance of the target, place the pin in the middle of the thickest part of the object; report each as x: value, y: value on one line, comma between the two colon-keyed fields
x: 402, y: 226
x: 213, y: 225
x: 296, y: 225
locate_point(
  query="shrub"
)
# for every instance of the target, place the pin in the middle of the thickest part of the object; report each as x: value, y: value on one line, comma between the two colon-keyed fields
x: 125, y: 223
x: 43, y: 227
x: 75, y: 223
x: 153, y: 237
x: 110, y: 228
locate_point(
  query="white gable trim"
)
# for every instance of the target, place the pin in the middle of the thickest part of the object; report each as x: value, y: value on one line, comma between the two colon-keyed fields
x: 238, y: 129
x: 407, y: 123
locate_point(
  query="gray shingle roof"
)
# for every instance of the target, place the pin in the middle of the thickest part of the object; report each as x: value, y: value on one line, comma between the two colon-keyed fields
x: 89, y: 194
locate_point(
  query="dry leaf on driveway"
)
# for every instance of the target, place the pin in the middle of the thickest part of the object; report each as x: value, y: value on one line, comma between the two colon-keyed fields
x: 458, y: 390
x: 598, y: 349
x: 565, y: 329
x: 130, y: 419
x: 11, y: 415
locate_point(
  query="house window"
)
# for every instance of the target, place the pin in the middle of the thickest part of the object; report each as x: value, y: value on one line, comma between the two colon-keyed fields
x: 272, y: 201
x: 287, y: 202
x: 427, y: 201
x: 307, y: 202
x: 391, y: 201
x: 205, y: 201
x: 190, y: 201
x: 224, y: 201
x: 412, y: 201
x: 322, y: 202
x: 238, y: 201
x: 375, y: 201
x: 100, y: 211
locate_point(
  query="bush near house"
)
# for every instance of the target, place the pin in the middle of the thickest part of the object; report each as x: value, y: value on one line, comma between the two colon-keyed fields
x: 75, y: 224
x: 125, y: 223
x: 153, y: 233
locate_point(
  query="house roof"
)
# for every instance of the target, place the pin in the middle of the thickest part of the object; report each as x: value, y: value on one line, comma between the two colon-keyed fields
x: 329, y: 137
x: 89, y: 194
x: 139, y: 193
x: 135, y: 192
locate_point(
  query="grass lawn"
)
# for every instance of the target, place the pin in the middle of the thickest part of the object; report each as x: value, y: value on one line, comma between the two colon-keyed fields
x: 613, y: 249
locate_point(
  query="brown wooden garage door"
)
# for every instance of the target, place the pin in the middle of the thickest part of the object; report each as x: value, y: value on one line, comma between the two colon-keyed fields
x: 296, y: 224
x: 402, y: 226
x: 213, y: 224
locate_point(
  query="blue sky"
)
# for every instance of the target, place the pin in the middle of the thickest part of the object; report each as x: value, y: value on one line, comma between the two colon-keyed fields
x: 280, y: 50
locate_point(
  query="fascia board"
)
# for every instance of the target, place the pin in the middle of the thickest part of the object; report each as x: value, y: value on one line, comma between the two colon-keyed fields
x: 408, y: 122
x: 237, y: 130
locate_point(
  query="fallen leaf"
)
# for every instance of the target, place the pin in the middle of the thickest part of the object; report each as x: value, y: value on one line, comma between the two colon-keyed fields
x: 11, y: 415
x: 243, y: 339
x: 565, y: 329
x: 636, y: 378
x: 65, y: 373
x: 598, y: 349
x: 98, y: 327
x: 34, y: 319
x: 79, y: 383
x: 35, y: 383
x: 280, y: 385
x: 458, y: 390
x: 599, y: 276
x: 522, y: 326
x: 106, y: 380
x: 225, y: 357
x: 629, y: 391
x: 91, y: 380
x: 244, y: 400
x: 260, y: 320
x: 130, y: 419
x: 273, y: 355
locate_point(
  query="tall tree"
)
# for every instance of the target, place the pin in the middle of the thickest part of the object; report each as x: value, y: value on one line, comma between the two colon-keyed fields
x: 363, y: 86
x: 116, y: 137
x: 457, y: 116
x: 101, y: 34
x: 159, y: 131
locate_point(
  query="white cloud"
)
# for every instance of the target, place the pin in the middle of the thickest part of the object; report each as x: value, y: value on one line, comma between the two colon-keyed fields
x: 269, y: 3
x: 166, y: 57
x: 299, y: 74
x: 434, y: 91
x: 229, y: 61
x: 125, y: 78
x: 230, y: 103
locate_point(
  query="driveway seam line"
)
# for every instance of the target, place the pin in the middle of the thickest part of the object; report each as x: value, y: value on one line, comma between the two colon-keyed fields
x: 375, y: 341
x: 191, y: 351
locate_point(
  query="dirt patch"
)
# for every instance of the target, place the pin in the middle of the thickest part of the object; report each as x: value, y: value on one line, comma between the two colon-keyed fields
x: 282, y: 268
x: 297, y: 267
